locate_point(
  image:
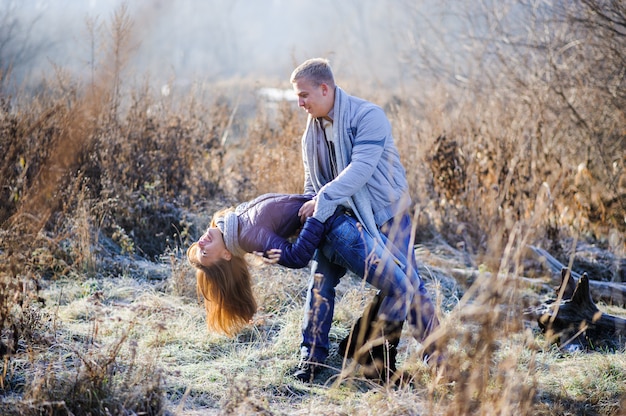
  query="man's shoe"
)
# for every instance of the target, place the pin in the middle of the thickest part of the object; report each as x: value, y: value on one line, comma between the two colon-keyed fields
x: 307, y: 370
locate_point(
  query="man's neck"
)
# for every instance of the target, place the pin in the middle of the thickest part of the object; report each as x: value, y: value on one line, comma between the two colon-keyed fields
x: 330, y: 115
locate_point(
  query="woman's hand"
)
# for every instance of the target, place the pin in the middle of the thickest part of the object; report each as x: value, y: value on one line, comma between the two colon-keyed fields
x: 306, y: 210
x: 270, y: 256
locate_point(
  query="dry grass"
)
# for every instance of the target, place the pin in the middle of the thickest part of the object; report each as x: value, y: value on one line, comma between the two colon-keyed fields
x: 105, y: 185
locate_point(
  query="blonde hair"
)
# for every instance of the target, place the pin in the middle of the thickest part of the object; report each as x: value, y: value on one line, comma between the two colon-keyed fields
x: 226, y: 287
x: 316, y: 70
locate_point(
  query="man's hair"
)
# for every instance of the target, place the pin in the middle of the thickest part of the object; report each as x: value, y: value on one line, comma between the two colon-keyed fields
x: 226, y: 287
x: 316, y: 70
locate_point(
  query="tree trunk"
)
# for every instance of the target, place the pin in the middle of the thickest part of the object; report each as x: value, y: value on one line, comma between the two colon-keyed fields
x: 609, y: 292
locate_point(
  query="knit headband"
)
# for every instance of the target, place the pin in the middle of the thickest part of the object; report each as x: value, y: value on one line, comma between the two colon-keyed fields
x: 229, y: 226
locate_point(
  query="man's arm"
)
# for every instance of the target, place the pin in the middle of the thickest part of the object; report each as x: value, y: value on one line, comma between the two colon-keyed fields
x: 373, y: 128
x: 306, y: 210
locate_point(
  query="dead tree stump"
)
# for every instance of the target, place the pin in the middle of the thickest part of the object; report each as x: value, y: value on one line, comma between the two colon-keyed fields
x: 577, y: 319
x: 608, y: 292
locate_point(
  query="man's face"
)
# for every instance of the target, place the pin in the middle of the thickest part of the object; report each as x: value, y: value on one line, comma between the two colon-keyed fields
x: 317, y: 101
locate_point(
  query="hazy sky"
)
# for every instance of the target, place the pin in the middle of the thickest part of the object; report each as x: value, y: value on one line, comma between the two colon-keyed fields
x: 366, y: 40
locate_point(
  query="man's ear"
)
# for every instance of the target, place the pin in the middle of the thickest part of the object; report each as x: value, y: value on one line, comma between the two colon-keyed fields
x: 325, y: 88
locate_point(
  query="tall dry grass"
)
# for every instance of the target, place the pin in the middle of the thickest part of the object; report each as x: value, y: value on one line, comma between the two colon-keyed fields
x: 84, y: 179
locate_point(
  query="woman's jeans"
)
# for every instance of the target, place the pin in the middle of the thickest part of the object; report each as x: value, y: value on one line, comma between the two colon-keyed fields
x: 393, y: 270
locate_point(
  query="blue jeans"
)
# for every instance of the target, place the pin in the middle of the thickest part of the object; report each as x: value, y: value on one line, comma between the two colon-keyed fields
x: 392, y: 270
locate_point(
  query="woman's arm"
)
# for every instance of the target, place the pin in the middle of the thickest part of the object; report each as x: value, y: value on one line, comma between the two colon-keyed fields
x: 299, y: 253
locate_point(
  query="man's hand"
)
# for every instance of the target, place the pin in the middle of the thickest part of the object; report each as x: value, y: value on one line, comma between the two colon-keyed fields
x: 307, y: 210
x: 270, y: 256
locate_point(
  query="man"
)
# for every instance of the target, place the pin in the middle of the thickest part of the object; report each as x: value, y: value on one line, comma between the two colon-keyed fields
x: 350, y: 160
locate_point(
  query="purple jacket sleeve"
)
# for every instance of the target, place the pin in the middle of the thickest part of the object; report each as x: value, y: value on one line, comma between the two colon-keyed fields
x: 299, y: 253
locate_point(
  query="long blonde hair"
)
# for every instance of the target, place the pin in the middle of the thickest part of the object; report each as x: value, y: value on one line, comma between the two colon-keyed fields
x: 226, y: 287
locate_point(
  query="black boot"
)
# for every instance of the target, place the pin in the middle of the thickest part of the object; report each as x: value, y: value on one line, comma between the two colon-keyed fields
x: 361, y: 329
x: 379, y: 361
x: 307, y: 370
x: 373, y: 343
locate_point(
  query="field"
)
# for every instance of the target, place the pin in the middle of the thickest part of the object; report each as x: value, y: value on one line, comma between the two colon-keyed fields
x: 105, y: 184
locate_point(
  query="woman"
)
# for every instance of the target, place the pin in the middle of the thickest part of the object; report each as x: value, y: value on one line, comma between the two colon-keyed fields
x: 264, y: 226
x: 261, y: 226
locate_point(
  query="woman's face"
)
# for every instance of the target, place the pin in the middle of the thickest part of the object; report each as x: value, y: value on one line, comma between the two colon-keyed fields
x: 211, y: 248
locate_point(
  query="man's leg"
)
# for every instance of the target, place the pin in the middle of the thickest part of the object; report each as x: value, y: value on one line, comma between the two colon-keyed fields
x: 422, y: 316
x: 398, y: 231
x: 374, y: 338
x: 318, y: 315
x: 348, y: 246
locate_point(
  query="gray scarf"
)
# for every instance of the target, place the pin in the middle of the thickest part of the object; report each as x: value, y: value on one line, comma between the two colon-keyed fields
x: 359, y: 203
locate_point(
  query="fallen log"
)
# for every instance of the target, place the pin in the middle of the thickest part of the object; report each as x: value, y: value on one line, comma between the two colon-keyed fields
x: 576, y: 319
x: 608, y: 292
x: 467, y: 277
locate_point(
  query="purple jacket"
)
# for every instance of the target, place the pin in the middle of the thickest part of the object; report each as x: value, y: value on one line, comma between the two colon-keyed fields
x: 268, y: 221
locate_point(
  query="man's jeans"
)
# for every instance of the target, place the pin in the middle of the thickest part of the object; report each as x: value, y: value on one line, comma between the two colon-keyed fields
x: 347, y: 246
